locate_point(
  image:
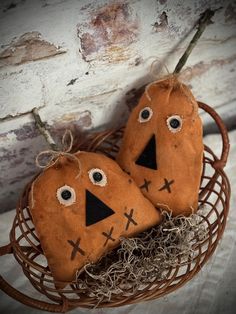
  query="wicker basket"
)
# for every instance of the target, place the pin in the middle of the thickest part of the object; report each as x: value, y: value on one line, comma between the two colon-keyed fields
x: 25, y: 246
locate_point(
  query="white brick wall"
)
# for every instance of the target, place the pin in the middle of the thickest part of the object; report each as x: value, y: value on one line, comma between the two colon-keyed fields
x: 82, y: 62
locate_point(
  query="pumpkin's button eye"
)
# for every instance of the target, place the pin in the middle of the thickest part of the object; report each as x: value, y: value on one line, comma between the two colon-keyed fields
x: 66, y: 195
x: 174, y: 123
x: 97, y: 177
x: 145, y: 114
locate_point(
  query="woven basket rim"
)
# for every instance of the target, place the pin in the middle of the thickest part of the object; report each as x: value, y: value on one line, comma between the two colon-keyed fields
x: 107, y: 142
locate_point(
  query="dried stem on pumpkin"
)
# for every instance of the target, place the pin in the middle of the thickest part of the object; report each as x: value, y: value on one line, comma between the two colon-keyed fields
x: 205, y: 19
x: 42, y: 128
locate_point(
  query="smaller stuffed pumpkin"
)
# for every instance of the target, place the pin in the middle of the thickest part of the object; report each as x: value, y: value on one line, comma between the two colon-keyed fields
x: 81, y: 205
x: 162, y: 148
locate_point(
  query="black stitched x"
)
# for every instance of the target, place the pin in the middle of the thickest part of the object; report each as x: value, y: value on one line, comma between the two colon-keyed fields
x: 108, y: 236
x: 76, y: 248
x: 145, y: 185
x: 167, y: 185
x: 130, y: 219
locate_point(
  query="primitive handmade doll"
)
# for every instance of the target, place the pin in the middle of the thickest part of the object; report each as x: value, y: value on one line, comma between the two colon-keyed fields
x: 162, y: 148
x: 81, y: 205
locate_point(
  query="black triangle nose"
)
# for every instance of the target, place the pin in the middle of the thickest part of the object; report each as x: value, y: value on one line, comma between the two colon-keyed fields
x: 96, y: 210
x: 148, y: 156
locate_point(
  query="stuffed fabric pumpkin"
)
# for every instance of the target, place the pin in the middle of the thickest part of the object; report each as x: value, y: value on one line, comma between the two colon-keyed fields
x: 81, y: 205
x: 162, y: 148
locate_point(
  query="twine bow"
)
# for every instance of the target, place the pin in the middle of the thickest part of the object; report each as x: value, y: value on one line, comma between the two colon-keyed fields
x: 53, y: 155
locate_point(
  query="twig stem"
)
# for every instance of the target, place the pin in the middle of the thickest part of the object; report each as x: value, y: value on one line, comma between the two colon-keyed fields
x: 204, y: 20
x: 42, y: 128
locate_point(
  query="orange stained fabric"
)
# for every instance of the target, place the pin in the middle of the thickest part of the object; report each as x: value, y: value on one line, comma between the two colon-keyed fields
x: 173, y: 130
x: 89, y: 222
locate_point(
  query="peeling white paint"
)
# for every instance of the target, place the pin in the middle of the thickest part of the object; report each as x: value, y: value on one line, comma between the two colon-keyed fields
x: 93, y: 92
x: 11, y: 137
x: 20, y: 93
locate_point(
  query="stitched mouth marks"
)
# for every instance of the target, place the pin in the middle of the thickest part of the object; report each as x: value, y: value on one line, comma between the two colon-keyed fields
x: 145, y: 185
x: 76, y: 248
x: 108, y: 236
x: 167, y: 185
x: 130, y: 219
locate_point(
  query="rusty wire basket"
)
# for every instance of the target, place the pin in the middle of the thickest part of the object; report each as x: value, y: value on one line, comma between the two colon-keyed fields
x: 25, y: 246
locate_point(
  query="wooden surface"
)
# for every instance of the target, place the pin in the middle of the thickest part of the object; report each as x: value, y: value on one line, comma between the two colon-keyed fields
x: 82, y: 63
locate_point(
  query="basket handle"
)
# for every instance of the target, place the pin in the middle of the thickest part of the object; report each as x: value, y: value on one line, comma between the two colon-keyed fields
x: 24, y: 299
x: 218, y: 164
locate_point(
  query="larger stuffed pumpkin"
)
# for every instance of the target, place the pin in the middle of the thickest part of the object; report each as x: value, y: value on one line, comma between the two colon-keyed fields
x: 162, y: 148
x: 81, y: 205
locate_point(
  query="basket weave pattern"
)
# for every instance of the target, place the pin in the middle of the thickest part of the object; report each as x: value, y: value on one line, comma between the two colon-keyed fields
x: 214, y: 195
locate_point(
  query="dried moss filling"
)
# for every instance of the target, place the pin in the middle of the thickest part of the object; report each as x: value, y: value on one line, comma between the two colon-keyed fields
x: 146, y: 259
